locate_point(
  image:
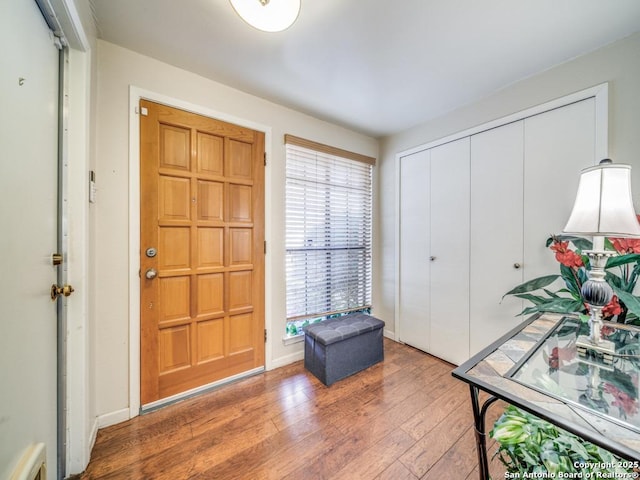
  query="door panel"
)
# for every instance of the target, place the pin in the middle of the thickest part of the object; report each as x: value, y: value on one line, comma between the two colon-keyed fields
x: 202, y: 207
x: 28, y: 214
x: 559, y: 144
x: 449, y: 251
x: 497, y: 158
x: 414, y: 250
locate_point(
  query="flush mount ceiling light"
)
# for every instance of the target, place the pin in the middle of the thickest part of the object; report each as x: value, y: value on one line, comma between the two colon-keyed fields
x: 268, y: 15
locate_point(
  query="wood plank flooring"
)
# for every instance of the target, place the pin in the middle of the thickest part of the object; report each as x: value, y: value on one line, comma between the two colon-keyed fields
x: 406, y: 418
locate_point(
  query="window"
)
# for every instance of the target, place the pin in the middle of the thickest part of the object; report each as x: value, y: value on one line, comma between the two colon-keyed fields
x: 328, y: 232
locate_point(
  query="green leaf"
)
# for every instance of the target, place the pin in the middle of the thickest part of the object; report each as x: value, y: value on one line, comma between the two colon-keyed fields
x: 576, y: 445
x: 562, y: 305
x: 551, y: 460
x: 530, y: 459
x: 556, y: 305
x: 613, y: 280
x: 532, y: 285
x: 622, y: 260
x: 535, y: 299
x: 565, y: 290
x: 550, y: 293
x: 569, y: 279
x: 529, y: 311
x: 632, y: 302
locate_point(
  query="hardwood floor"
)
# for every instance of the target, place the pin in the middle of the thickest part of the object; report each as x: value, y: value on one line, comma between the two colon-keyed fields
x: 405, y: 418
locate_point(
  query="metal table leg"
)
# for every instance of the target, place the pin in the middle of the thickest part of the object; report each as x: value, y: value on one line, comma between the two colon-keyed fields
x: 479, y: 413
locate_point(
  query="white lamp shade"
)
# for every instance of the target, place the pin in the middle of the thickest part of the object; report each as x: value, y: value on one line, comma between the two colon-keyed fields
x: 271, y: 16
x: 604, y: 204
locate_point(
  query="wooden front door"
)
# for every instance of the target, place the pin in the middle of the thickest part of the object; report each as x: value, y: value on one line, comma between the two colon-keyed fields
x: 202, y: 250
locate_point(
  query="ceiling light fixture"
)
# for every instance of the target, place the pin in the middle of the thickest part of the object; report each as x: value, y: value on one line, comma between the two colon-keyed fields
x: 268, y: 15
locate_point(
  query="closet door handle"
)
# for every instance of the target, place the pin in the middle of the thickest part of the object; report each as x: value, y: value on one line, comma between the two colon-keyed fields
x: 432, y: 258
x: 516, y: 266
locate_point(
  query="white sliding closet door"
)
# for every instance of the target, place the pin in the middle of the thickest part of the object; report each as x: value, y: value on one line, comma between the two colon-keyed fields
x: 413, y: 306
x: 558, y: 144
x: 497, y: 163
x: 449, y: 251
x: 475, y: 212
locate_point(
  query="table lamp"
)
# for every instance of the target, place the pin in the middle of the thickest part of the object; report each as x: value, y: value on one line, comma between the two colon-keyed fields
x: 603, y: 208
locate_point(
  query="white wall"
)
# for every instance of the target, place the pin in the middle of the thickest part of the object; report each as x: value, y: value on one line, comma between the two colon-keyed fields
x: 118, y: 69
x: 618, y: 64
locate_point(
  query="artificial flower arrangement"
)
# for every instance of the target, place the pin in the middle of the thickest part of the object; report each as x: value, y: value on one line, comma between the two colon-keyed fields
x: 530, y: 445
x: 622, y: 274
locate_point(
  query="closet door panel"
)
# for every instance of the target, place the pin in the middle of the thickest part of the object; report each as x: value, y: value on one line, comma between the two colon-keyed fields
x: 414, y: 295
x: 449, y: 251
x: 558, y: 144
x: 496, y: 232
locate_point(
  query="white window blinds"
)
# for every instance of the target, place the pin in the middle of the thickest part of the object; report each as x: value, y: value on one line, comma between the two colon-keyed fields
x: 328, y: 232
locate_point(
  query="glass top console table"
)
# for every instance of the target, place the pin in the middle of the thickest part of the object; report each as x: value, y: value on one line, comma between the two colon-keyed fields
x: 538, y: 368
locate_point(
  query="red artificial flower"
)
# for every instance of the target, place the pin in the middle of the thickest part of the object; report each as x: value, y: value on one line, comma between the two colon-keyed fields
x: 559, y: 356
x: 612, y: 308
x: 627, y: 404
x: 626, y: 245
x: 566, y: 257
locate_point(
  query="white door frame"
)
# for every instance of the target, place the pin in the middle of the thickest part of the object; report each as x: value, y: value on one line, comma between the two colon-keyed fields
x: 135, y: 95
x: 78, y: 426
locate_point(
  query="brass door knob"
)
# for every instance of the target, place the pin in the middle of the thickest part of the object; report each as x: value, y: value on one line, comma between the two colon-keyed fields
x: 56, y: 291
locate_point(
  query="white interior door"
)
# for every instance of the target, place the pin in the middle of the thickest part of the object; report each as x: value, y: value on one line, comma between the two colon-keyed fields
x: 28, y: 210
x: 496, y: 232
x: 414, y: 297
x: 449, y: 251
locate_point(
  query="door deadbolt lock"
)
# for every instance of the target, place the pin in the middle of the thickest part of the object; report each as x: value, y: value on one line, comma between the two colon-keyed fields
x: 151, y: 252
x: 56, y: 291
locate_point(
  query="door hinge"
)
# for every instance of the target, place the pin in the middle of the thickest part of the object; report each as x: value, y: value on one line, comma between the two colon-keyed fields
x: 265, y: 335
x: 265, y: 159
x: 142, y: 111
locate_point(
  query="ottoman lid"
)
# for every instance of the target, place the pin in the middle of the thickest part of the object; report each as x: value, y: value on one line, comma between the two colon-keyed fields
x: 341, y: 328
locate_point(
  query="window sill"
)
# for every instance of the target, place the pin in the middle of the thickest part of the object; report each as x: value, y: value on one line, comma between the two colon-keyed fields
x: 287, y: 340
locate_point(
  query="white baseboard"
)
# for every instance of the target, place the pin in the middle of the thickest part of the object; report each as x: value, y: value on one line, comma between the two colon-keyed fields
x: 93, y: 435
x: 108, y: 419
x: 287, y: 359
x: 390, y: 335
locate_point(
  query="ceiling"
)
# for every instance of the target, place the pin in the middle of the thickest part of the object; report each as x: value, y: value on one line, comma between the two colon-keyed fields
x: 375, y: 66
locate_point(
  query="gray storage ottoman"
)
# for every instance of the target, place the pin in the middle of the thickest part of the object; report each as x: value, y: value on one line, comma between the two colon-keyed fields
x: 339, y: 347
